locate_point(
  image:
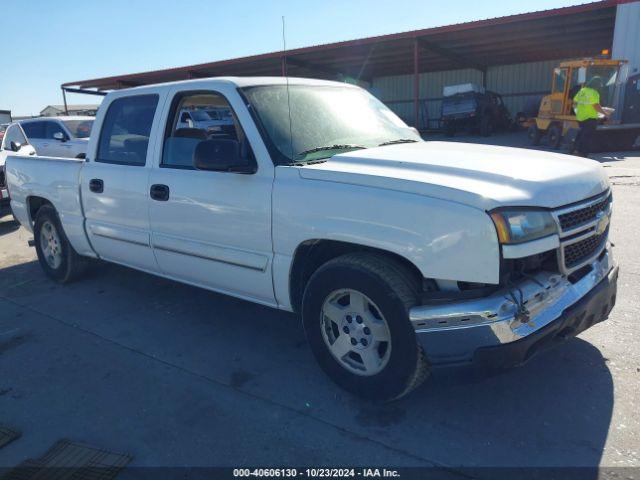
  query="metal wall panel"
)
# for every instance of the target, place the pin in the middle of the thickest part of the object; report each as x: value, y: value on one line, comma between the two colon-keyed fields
x: 521, y: 83
x: 626, y: 36
x: 517, y: 83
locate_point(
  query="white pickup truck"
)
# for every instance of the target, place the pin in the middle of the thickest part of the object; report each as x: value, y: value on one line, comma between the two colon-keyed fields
x: 401, y: 255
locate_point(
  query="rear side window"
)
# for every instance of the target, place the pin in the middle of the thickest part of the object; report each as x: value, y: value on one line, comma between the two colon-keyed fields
x: 34, y: 129
x: 124, y: 138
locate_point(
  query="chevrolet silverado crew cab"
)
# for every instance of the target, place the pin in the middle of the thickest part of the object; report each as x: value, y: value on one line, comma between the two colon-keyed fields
x: 401, y: 255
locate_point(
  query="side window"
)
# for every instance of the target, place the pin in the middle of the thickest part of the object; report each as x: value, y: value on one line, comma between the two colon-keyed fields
x: 34, y: 129
x: 14, y: 134
x: 204, y: 132
x: 559, y: 79
x: 126, y: 128
x: 51, y: 128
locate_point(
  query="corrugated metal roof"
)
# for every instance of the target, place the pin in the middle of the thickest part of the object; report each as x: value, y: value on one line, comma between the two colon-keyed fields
x: 578, y: 30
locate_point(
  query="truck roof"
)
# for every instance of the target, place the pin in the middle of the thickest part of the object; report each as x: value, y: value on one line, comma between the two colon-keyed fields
x: 60, y: 117
x: 248, y: 82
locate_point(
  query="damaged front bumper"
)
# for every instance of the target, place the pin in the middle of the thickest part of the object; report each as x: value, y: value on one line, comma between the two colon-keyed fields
x: 506, y: 328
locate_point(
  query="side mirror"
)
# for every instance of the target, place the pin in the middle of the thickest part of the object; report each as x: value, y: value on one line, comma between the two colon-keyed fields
x: 15, y: 146
x: 222, y: 155
x: 59, y: 136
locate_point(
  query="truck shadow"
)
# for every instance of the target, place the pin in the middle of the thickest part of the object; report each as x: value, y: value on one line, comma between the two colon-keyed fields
x: 553, y: 412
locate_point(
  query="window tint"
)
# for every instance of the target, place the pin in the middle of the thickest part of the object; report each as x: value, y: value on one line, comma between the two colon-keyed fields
x: 79, y: 128
x: 14, y: 134
x: 190, y: 123
x: 51, y: 128
x: 34, y: 129
x: 124, y: 138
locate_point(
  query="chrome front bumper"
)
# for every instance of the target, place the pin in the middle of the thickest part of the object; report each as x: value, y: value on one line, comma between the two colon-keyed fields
x: 454, y: 332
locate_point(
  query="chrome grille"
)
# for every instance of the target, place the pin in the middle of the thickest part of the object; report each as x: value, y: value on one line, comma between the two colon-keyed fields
x: 584, y: 215
x: 582, y: 237
x: 577, y: 253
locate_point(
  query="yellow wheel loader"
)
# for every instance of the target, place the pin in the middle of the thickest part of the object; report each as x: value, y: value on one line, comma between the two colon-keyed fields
x: 556, y: 120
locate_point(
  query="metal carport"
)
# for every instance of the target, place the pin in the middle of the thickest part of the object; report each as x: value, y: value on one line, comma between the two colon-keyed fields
x: 568, y: 32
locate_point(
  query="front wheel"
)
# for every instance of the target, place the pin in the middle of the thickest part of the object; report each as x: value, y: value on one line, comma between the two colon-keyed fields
x: 555, y: 136
x: 535, y: 134
x: 449, y: 129
x: 57, y: 257
x: 356, y: 319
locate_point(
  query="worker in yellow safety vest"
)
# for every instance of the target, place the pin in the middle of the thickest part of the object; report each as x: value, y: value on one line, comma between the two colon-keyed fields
x: 587, y: 107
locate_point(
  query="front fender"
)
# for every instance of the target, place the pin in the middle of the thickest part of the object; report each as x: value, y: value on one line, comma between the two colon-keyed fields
x: 444, y: 240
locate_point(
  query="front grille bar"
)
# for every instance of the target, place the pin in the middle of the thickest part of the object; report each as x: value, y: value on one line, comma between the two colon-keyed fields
x: 580, y: 242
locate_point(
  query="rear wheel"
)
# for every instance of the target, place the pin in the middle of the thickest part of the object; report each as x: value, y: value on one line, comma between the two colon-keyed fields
x: 555, y: 136
x: 356, y: 318
x: 57, y: 257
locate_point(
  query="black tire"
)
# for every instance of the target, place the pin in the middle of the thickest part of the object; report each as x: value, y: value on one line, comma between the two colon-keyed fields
x: 449, y: 129
x: 72, y: 265
x: 555, y: 136
x: 535, y: 134
x: 486, y: 126
x: 394, y: 292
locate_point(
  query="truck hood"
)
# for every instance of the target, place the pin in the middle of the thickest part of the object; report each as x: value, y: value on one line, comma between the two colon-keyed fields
x: 481, y: 176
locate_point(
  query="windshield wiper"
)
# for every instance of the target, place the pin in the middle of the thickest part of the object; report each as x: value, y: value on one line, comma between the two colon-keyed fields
x: 332, y: 147
x: 399, y: 140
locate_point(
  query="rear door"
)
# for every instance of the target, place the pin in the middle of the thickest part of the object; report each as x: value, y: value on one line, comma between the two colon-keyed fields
x: 115, y: 181
x: 211, y: 228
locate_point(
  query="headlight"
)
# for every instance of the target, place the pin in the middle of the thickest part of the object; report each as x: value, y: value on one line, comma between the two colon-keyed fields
x: 517, y: 226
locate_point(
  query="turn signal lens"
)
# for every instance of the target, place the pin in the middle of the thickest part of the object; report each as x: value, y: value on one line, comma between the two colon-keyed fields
x: 501, y: 227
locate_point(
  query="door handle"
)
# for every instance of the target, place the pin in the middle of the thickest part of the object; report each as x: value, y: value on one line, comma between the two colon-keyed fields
x: 96, y: 185
x: 159, y: 192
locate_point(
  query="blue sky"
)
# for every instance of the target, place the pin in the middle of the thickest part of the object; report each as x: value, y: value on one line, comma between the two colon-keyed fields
x: 49, y: 42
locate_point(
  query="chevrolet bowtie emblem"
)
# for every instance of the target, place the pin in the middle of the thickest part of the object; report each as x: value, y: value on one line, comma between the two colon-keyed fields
x: 603, y: 223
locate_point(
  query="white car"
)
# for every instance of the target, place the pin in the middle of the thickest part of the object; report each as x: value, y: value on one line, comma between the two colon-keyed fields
x: 59, y: 136
x: 13, y: 141
x: 400, y: 255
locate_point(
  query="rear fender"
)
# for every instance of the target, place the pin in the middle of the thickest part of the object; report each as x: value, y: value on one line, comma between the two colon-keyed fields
x: 56, y: 181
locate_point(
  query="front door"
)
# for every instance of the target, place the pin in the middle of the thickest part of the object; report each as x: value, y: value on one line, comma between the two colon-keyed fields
x: 559, y: 90
x: 114, y: 184
x: 55, y: 146
x: 210, y: 228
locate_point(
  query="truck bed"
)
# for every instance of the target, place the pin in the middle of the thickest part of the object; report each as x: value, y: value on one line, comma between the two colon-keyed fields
x: 57, y: 180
